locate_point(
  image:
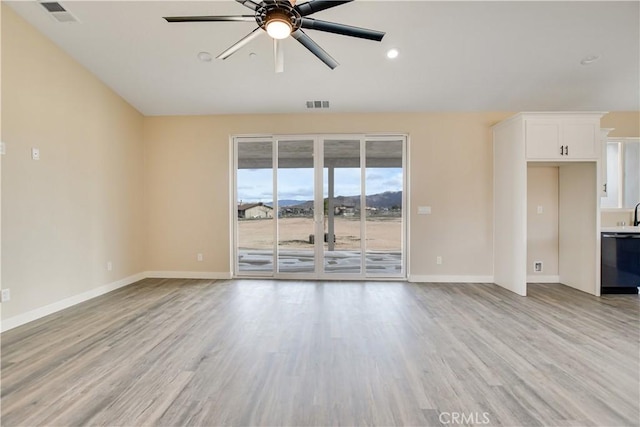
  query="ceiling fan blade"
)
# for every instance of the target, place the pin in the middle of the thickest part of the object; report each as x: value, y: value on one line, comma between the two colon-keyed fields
x: 278, y: 55
x: 314, y: 6
x: 249, y: 3
x: 306, y: 41
x: 342, y: 29
x: 238, y: 18
x: 246, y: 39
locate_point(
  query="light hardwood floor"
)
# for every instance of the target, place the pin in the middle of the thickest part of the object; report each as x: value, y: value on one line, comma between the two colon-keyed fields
x: 197, y: 352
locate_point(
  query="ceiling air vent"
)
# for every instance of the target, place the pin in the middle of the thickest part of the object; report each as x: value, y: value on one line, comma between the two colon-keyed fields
x: 317, y: 104
x: 58, y: 12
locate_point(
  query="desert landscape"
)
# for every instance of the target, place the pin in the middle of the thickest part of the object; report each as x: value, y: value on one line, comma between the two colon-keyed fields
x: 384, y: 233
x: 296, y: 252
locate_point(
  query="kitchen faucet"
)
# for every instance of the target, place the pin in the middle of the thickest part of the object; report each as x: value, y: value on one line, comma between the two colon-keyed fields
x: 635, y: 216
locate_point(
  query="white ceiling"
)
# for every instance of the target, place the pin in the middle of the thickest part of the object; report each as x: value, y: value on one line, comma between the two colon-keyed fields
x: 454, y: 56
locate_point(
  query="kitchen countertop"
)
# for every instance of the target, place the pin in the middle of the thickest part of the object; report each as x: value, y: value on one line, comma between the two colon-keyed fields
x: 620, y: 229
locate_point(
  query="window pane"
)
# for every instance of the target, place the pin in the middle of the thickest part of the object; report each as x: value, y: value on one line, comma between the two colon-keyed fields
x: 296, y: 225
x: 254, y: 206
x: 341, y: 192
x: 613, y: 167
x: 384, y: 183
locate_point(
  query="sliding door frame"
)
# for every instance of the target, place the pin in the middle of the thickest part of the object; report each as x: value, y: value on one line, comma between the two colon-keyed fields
x: 318, y: 216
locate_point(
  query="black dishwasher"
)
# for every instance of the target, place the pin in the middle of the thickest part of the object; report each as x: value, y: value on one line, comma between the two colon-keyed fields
x: 620, y: 272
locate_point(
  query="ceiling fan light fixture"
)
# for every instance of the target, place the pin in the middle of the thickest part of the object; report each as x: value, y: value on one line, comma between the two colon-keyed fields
x: 278, y: 25
x: 278, y: 29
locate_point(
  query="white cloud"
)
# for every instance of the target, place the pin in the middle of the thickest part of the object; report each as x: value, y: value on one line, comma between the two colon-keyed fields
x: 255, y: 185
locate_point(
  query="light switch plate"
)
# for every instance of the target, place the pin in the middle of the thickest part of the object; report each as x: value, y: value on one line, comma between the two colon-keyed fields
x: 35, y: 153
x: 3, y: 149
x: 424, y: 210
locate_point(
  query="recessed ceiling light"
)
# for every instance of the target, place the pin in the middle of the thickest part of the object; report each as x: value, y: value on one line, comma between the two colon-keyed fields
x: 205, y: 56
x: 588, y: 60
x: 392, y: 53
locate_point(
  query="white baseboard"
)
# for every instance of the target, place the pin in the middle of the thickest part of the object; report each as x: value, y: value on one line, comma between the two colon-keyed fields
x: 535, y: 278
x: 449, y: 279
x: 32, y: 315
x: 187, y: 275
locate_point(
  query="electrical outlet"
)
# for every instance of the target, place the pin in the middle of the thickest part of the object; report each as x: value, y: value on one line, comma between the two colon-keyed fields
x: 6, y: 295
x: 439, y: 260
x: 540, y: 209
x: 200, y: 257
x: 537, y: 266
x: 35, y: 154
x: 3, y: 148
x: 109, y: 266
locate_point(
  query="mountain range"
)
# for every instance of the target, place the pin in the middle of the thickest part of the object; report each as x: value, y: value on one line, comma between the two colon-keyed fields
x: 388, y: 199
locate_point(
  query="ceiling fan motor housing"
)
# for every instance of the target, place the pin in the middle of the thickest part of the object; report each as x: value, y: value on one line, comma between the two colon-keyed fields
x: 280, y: 10
x: 281, y: 19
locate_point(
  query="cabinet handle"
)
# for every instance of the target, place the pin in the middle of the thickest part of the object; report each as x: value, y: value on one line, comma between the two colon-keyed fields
x: 562, y: 150
x: 566, y: 150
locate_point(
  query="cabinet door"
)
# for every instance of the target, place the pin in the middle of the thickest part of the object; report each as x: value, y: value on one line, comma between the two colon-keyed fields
x: 580, y: 139
x: 542, y: 139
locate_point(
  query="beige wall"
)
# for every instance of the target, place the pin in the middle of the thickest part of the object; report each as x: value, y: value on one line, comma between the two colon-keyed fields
x: 613, y: 218
x: 542, y: 228
x: 79, y: 206
x: 450, y: 170
x: 625, y: 123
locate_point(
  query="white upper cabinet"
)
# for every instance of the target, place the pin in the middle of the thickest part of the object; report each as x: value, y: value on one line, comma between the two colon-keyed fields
x: 562, y: 137
x: 542, y: 139
x: 581, y: 139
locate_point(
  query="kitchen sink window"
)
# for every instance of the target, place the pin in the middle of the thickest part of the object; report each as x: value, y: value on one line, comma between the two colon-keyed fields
x: 623, y: 174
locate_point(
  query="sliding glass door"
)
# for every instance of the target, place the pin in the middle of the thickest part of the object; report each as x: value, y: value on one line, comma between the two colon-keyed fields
x: 325, y: 206
x: 254, y: 214
x: 384, y: 219
x: 342, y: 205
x: 296, y: 251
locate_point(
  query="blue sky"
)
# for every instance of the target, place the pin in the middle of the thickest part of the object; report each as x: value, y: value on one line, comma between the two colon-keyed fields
x: 256, y: 185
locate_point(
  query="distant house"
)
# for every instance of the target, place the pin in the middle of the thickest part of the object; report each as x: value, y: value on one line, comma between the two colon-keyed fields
x: 254, y: 210
x: 344, y: 210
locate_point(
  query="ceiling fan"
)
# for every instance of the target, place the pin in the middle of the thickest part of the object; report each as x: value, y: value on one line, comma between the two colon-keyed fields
x: 283, y: 18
